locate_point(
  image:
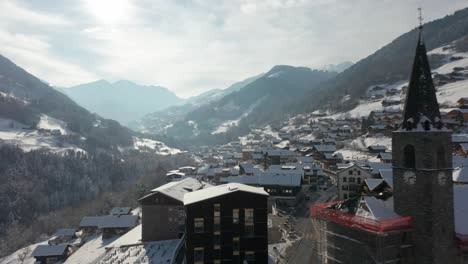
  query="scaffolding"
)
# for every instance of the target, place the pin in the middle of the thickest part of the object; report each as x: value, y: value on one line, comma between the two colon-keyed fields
x: 347, y: 238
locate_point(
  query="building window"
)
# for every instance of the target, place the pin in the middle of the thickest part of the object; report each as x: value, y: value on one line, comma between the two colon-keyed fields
x: 359, y: 180
x: 350, y: 172
x: 217, y: 217
x: 199, y: 225
x: 344, y: 179
x: 235, y: 245
x: 345, y: 196
x: 409, y: 159
x: 249, y: 222
x: 235, y: 216
x: 344, y: 187
x: 217, y: 240
x: 358, y: 172
x: 250, y: 256
x: 198, y: 255
x: 352, y: 179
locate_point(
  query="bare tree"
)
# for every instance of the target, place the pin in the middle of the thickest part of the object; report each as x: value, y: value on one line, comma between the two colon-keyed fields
x: 24, y: 254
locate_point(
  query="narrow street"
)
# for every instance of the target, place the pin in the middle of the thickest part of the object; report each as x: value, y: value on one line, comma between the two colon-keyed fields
x: 301, y: 250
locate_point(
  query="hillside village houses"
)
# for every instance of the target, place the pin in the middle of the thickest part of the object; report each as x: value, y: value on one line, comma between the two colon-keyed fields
x: 416, y: 212
x: 228, y: 206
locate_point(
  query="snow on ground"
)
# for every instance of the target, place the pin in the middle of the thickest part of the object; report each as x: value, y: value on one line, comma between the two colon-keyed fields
x: 225, y: 126
x: 156, y: 146
x: 47, y: 122
x: 363, y: 109
x: 361, y: 143
x: 269, y: 131
x: 352, y: 154
x: 275, y: 251
x: 13, y: 258
x: 15, y: 133
x: 451, y: 92
x: 93, y: 250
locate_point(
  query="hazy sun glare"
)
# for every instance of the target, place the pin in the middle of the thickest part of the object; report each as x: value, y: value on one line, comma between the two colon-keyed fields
x: 109, y: 11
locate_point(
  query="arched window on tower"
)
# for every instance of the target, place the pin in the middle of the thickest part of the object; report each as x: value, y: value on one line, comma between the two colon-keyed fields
x: 441, y: 158
x: 409, y: 159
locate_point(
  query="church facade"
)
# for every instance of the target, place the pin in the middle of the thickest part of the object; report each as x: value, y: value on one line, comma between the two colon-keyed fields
x: 418, y: 223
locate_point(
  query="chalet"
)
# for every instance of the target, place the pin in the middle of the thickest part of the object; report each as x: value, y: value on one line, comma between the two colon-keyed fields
x: 247, y: 154
x: 349, y: 180
x: 121, y: 211
x: 376, y: 148
x: 320, y: 149
x: 280, y: 156
x: 229, y: 163
x: 246, y: 168
x: 45, y: 254
x: 227, y: 223
x: 89, y: 225
x: 62, y: 236
x: 164, y: 207
x: 112, y: 225
x: 462, y: 101
x: 188, y: 170
x: 329, y: 160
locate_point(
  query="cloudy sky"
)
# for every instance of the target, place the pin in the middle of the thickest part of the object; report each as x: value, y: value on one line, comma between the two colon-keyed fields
x: 191, y: 46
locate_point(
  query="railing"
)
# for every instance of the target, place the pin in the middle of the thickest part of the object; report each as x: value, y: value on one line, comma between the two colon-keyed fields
x: 323, y: 211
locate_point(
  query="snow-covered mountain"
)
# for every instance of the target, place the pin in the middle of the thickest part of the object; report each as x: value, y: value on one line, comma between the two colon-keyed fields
x: 123, y: 100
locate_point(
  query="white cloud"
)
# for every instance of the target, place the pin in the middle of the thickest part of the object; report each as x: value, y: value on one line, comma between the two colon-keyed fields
x: 191, y: 46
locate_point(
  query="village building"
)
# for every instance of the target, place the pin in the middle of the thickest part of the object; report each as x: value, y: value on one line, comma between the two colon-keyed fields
x: 89, y: 225
x: 350, y: 179
x: 45, y: 254
x: 226, y: 224
x: 164, y: 207
x: 426, y: 221
x: 62, y: 236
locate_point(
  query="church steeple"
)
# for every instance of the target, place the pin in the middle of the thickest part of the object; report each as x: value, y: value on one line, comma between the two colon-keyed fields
x: 421, y: 108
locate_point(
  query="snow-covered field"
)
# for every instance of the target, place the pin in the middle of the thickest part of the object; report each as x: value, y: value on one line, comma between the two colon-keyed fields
x: 15, y: 133
x: 14, y: 258
x: 157, y: 147
x: 47, y: 122
x: 451, y: 92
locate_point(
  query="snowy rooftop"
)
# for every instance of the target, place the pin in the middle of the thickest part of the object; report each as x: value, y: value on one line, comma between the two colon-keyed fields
x: 64, y: 232
x: 377, y: 166
x: 278, y: 178
x: 49, y: 250
x: 387, y: 175
x: 220, y: 190
x: 325, y: 148
x: 376, y: 209
x: 146, y: 253
x: 178, y: 189
x: 120, y: 210
x: 373, y: 183
x: 117, y: 221
x: 460, y: 175
x: 90, y: 221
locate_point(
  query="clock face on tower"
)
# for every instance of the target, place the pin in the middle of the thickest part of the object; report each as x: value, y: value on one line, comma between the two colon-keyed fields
x: 441, y: 178
x: 409, y: 177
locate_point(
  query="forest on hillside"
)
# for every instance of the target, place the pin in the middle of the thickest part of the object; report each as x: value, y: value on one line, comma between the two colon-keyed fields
x: 39, y: 188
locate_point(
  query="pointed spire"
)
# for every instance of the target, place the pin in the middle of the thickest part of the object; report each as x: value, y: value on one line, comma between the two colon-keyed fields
x: 421, y: 107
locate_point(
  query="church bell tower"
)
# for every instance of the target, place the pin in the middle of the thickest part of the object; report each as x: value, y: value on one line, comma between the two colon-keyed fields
x: 422, y: 167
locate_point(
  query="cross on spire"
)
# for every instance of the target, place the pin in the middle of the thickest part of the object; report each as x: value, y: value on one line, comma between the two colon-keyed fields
x: 420, y: 18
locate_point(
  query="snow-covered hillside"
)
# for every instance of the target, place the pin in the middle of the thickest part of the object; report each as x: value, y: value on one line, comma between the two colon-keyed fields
x: 48, y: 135
x: 144, y: 144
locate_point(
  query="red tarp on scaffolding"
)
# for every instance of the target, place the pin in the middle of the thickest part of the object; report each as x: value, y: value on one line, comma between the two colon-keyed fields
x: 323, y: 211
